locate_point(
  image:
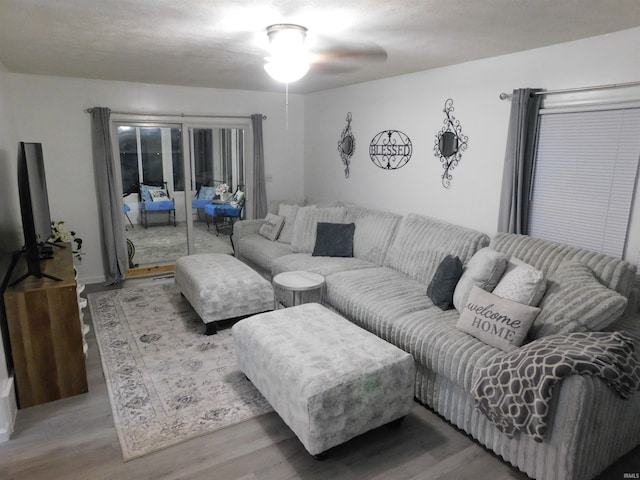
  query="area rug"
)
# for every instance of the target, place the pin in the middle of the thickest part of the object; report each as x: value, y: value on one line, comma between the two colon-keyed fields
x: 167, y: 381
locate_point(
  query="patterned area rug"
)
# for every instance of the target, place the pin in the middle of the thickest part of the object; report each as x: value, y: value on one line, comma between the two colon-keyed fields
x: 167, y: 381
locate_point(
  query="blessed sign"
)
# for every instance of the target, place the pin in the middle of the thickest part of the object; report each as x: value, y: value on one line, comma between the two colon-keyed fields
x: 390, y: 149
x: 496, y: 321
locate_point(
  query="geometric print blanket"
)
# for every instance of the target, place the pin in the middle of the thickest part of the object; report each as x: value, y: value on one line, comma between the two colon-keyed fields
x: 514, y: 391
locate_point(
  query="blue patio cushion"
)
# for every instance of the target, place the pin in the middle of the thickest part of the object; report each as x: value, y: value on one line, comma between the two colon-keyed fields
x: 199, y: 202
x: 205, y: 195
x: 159, y: 206
x: 224, y: 210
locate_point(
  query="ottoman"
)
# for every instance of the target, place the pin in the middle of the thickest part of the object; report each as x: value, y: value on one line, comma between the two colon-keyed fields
x: 221, y: 287
x: 328, y: 379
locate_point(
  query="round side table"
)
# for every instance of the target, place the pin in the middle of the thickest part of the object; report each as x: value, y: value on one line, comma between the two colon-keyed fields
x: 297, y: 281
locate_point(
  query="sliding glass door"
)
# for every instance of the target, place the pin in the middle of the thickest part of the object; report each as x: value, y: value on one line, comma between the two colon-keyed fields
x: 164, y: 167
x: 217, y: 163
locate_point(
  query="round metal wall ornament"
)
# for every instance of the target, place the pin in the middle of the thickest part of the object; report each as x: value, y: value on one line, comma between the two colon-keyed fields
x: 390, y: 149
x: 450, y: 143
x: 347, y: 145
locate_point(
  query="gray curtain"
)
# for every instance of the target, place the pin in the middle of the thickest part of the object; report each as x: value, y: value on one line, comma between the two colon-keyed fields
x: 109, y: 193
x: 260, y: 206
x: 519, y: 161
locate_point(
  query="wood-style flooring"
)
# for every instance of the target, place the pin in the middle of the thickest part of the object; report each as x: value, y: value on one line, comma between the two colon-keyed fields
x: 75, y: 438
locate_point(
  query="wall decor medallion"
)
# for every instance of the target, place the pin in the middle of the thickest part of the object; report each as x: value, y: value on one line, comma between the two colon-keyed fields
x: 450, y: 143
x: 347, y: 145
x: 390, y: 149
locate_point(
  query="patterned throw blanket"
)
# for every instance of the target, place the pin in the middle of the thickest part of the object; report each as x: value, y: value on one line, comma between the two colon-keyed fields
x: 514, y: 391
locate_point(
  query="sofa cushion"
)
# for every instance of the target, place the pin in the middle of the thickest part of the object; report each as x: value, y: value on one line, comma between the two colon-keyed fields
x: 334, y: 240
x: 444, y: 282
x: 323, y: 265
x: 422, y: 242
x: 374, y: 233
x: 576, y: 301
x: 371, y: 296
x: 306, y: 224
x: 271, y: 227
x: 262, y: 252
x: 289, y: 213
x: 521, y: 283
x: 499, y: 322
x: 483, y: 270
x: 431, y: 336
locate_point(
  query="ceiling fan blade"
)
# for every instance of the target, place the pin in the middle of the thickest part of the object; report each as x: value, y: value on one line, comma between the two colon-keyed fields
x: 333, y: 57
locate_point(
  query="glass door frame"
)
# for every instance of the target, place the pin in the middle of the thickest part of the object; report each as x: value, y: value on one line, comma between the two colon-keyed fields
x: 187, y: 124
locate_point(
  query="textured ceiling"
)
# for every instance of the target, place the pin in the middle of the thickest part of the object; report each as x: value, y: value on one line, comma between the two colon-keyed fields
x: 213, y: 43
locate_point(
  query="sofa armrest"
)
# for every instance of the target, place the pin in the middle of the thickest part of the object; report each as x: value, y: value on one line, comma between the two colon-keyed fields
x: 243, y: 228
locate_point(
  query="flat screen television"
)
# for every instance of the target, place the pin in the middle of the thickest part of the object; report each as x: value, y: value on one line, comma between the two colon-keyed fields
x: 34, y: 207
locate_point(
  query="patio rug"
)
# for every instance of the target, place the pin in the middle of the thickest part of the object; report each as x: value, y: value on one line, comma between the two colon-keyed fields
x: 167, y: 381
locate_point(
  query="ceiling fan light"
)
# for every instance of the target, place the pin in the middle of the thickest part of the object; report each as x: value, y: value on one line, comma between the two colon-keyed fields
x: 286, y: 71
x: 289, y: 59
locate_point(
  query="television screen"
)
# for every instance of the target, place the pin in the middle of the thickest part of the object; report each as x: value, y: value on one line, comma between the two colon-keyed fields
x: 38, y: 191
x: 34, y: 207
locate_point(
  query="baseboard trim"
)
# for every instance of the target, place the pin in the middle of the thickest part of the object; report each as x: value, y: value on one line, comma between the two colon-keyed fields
x: 8, y: 409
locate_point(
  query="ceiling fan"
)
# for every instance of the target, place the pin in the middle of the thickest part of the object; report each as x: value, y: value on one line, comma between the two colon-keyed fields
x: 292, y: 55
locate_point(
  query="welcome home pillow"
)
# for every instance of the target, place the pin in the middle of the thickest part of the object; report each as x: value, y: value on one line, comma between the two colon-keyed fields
x: 271, y: 227
x: 496, y: 321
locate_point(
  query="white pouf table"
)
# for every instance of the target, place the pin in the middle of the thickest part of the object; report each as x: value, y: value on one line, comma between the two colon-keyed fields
x: 298, y: 281
x: 328, y: 379
x: 221, y: 287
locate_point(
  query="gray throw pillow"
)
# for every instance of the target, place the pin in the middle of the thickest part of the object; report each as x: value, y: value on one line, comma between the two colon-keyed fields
x: 334, y: 240
x: 444, y: 282
x: 306, y: 226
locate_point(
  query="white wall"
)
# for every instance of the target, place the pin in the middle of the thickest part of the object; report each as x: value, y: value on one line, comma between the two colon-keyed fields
x: 51, y: 110
x: 9, y: 242
x: 413, y: 104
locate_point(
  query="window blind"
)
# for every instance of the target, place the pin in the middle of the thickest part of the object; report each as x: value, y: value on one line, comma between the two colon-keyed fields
x: 584, y: 178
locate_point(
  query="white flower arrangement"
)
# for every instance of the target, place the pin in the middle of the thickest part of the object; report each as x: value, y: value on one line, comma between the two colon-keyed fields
x: 61, y: 234
x: 223, y: 188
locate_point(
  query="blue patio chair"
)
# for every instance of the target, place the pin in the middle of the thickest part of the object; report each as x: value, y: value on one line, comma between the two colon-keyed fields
x: 228, y: 212
x: 156, y: 199
x: 204, y: 197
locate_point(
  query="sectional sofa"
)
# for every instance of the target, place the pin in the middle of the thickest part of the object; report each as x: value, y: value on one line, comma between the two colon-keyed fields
x: 382, y: 288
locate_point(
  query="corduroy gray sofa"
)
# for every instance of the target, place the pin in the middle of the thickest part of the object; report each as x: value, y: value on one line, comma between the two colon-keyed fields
x: 383, y: 289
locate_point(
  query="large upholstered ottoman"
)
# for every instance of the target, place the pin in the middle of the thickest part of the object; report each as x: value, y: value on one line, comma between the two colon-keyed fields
x: 328, y: 379
x: 221, y: 287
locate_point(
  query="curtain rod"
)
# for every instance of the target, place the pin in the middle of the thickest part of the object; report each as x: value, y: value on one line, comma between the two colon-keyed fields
x: 264, y: 117
x: 508, y: 96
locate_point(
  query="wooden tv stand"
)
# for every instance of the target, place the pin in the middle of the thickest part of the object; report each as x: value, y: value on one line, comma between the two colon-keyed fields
x: 45, y: 332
